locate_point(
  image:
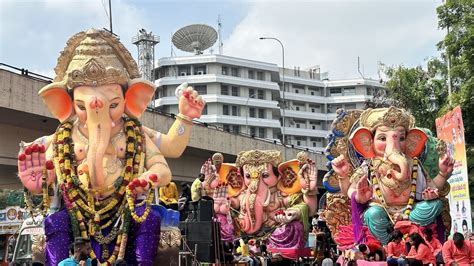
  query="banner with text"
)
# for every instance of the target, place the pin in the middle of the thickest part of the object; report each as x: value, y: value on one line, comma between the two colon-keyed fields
x: 450, y: 129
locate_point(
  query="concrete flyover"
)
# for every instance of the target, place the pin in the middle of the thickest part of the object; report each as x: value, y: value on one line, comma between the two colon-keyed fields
x: 23, y: 116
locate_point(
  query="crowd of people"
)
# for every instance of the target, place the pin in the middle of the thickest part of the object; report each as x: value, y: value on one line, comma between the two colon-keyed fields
x: 417, y: 249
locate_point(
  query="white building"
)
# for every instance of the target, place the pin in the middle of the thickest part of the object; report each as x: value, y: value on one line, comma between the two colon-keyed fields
x: 244, y: 96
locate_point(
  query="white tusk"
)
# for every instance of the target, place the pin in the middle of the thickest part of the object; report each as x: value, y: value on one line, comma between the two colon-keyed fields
x: 113, y: 124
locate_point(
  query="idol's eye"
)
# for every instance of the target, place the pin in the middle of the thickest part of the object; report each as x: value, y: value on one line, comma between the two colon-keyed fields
x: 81, y: 107
x: 382, y: 138
x: 402, y: 138
x: 247, y: 175
x: 265, y: 174
x: 113, y: 105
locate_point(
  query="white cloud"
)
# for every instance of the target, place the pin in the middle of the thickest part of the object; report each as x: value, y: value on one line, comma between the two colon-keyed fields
x: 334, y: 34
x: 34, y: 32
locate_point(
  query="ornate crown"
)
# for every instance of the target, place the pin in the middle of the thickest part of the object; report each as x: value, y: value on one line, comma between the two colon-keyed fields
x: 391, y: 117
x: 95, y: 58
x: 258, y: 157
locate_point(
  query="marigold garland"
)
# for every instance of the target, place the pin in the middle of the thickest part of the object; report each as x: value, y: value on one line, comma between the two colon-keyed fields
x: 85, y: 210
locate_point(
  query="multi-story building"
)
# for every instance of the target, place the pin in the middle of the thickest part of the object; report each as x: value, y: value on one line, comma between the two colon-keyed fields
x: 245, y: 96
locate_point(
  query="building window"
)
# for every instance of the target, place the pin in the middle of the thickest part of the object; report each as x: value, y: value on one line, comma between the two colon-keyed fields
x: 313, y: 110
x: 252, y: 112
x: 297, y: 108
x: 225, y: 70
x: 200, y: 70
x: 251, y: 74
x: 184, y: 70
x: 224, y: 90
x: 260, y: 75
x: 235, y: 91
x: 253, y: 130
x: 204, y: 111
x: 260, y: 95
x: 251, y: 93
x: 297, y: 125
x: 350, y: 106
x: 370, y: 91
x: 314, y: 144
x: 235, y: 111
x: 298, y: 143
x: 234, y: 71
x: 226, y: 128
x: 297, y: 91
x: 261, y: 113
x: 336, y: 92
x: 201, y: 89
x: 235, y: 129
x: 350, y: 91
x: 261, y: 132
x: 225, y: 110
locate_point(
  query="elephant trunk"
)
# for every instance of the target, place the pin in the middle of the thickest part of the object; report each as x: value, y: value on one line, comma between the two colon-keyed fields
x: 399, y: 161
x: 99, y: 126
x: 256, y: 197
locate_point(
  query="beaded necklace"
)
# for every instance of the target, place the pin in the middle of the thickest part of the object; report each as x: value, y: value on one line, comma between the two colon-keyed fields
x: 411, y: 199
x: 75, y: 193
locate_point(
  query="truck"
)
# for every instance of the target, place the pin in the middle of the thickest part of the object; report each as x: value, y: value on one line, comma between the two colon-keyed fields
x: 20, y: 249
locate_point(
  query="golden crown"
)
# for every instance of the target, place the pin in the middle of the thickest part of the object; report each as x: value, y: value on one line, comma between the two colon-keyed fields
x: 390, y: 117
x: 258, y: 157
x: 95, y: 58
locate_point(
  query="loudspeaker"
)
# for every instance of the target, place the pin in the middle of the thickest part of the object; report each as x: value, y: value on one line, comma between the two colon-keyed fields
x: 205, y: 251
x: 205, y: 210
x: 205, y: 237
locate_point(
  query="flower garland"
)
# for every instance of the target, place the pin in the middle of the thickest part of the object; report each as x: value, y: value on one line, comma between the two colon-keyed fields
x: 411, y: 199
x: 85, y: 210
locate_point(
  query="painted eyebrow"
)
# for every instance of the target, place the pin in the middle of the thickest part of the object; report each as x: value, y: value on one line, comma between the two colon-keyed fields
x: 79, y: 101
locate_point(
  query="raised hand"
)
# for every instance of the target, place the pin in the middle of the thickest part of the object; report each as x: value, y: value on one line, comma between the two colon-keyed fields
x: 446, y: 165
x: 143, y: 183
x: 364, y: 191
x: 287, y: 216
x: 308, y: 174
x: 32, y: 165
x: 430, y: 194
x: 210, y: 174
x: 341, y: 166
x: 190, y: 103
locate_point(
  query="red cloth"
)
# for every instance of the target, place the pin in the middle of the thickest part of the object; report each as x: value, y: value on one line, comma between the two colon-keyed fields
x: 396, y: 249
x: 435, y: 246
x: 463, y: 256
x: 291, y: 253
x: 423, y: 253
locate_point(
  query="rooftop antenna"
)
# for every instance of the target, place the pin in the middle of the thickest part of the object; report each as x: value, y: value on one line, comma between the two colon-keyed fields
x: 194, y: 38
x: 219, y: 28
x: 110, y: 16
x: 358, y: 67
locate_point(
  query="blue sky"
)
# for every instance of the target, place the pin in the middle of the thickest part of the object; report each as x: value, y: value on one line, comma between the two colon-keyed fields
x: 330, y: 34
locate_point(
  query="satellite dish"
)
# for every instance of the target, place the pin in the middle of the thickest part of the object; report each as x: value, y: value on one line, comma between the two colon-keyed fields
x: 195, y: 38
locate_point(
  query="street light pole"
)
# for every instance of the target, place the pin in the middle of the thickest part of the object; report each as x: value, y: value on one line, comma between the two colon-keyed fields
x: 247, y: 114
x: 283, y: 83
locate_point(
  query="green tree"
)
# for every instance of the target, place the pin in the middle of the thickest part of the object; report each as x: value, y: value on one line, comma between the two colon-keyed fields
x: 457, y: 18
x: 419, y: 90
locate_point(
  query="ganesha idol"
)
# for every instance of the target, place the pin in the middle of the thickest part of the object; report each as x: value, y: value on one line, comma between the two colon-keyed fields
x: 261, y: 197
x: 379, y: 162
x: 98, y: 171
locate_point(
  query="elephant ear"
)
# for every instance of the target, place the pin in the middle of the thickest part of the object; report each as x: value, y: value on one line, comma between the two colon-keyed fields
x: 137, y: 97
x: 363, y: 142
x: 58, y: 100
x: 415, y: 142
x: 289, y: 181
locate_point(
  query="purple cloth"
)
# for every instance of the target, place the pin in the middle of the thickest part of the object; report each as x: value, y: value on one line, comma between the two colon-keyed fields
x: 142, y: 244
x: 227, y: 229
x: 357, y: 210
x: 441, y: 229
x: 290, y: 235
